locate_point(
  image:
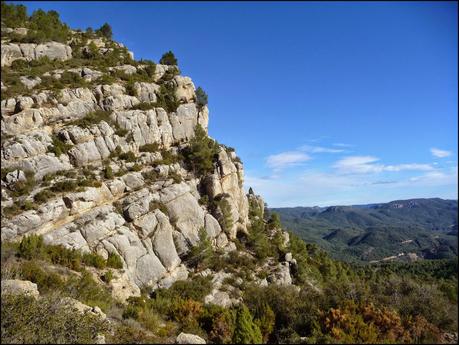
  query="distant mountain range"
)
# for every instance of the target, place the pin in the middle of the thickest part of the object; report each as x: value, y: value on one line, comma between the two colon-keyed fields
x: 401, y: 229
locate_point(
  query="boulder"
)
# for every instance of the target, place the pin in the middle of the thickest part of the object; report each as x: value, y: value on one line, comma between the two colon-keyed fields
x: 20, y: 287
x: 187, y: 338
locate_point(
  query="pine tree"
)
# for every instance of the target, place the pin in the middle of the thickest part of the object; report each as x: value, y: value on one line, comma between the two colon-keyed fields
x: 168, y: 59
x: 246, y: 332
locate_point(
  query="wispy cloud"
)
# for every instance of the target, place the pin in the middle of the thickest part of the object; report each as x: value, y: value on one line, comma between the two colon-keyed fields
x: 367, y: 164
x: 286, y: 159
x: 319, y: 149
x: 342, y: 145
x: 440, y: 153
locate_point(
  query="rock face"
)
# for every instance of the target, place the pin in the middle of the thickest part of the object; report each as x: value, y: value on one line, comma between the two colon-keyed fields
x: 20, y: 287
x: 187, y: 338
x: 32, y: 51
x: 99, y: 168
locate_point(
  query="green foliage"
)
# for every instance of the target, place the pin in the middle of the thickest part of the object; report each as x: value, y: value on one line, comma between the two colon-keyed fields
x: 143, y: 106
x: 92, y: 259
x: 47, y: 321
x: 59, y: 147
x: 201, y: 97
x: 114, y: 261
x: 24, y: 187
x: 168, y: 58
x: 128, y: 156
x: 201, y: 254
x: 93, y: 118
x: 47, y: 26
x: 107, y: 276
x: 105, y: 30
x: 246, y: 331
x: 32, y: 248
x: 43, y: 196
x: 166, y: 97
x: 226, y: 217
x: 149, y: 147
x: 202, y: 152
x: 108, y: 172
x: 13, y: 16
x: 349, y: 233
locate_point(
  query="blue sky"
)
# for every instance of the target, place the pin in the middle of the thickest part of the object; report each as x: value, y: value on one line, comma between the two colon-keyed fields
x: 326, y: 103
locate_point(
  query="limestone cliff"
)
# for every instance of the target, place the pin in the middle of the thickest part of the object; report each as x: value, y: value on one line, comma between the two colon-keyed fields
x: 98, y: 166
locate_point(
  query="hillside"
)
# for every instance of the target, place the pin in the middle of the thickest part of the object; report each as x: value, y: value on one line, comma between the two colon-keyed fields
x: 425, y: 227
x: 123, y: 221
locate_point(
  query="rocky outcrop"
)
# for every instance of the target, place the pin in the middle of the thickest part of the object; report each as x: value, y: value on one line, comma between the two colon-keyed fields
x: 187, y: 338
x: 32, y: 51
x: 125, y: 188
x: 20, y: 287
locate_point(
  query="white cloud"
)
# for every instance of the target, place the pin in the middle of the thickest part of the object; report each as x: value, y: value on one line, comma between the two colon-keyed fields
x: 342, y: 145
x: 367, y: 164
x: 326, y: 189
x: 440, y: 153
x: 319, y: 149
x: 286, y: 159
x: 358, y: 165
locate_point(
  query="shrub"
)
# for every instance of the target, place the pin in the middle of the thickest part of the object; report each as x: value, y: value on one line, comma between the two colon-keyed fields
x: 175, y: 177
x: 43, y: 196
x: 154, y: 147
x: 201, y: 97
x: 107, y: 276
x: 93, y: 118
x: 24, y: 187
x: 58, y: 147
x: 47, y: 26
x: 64, y: 186
x: 128, y: 156
x: 13, y: 16
x: 92, y: 259
x: 201, y: 254
x: 108, y: 172
x: 31, y: 247
x: 168, y: 58
x: 47, y: 321
x: 143, y: 106
x: 246, y: 331
x: 105, y: 30
x: 114, y: 261
x: 202, y: 152
x: 166, y: 97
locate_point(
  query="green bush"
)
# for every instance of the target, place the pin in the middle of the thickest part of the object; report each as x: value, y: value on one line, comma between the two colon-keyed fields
x: 107, y: 276
x: 154, y: 147
x: 105, y: 30
x: 43, y: 196
x: 92, y: 259
x: 13, y: 16
x: 114, y: 261
x: 24, y: 187
x: 108, y: 172
x: 246, y: 331
x: 58, y: 147
x: 128, y: 156
x: 93, y: 118
x: 25, y: 320
x: 31, y: 247
x: 201, y: 97
x: 64, y: 186
x: 143, y: 106
x: 202, y: 152
x: 168, y: 58
x: 166, y: 97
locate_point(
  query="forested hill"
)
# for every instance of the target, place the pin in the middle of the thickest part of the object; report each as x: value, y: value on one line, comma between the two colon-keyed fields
x: 403, y: 229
